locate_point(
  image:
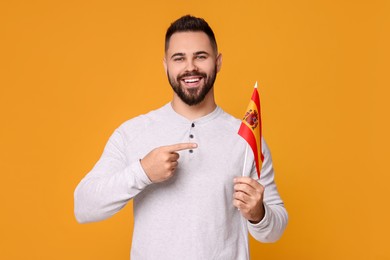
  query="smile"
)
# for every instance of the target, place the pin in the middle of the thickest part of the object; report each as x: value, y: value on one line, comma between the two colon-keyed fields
x: 191, y: 80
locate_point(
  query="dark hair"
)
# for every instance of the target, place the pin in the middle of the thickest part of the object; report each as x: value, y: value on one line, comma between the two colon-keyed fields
x: 190, y: 23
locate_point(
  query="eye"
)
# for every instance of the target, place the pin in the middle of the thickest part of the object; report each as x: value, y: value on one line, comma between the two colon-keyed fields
x: 201, y: 57
x: 178, y: 59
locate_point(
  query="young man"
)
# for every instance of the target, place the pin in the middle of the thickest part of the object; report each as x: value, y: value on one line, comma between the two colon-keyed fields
x: 182, y: 166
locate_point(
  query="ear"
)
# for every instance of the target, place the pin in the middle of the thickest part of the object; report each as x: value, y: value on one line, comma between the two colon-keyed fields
x: 219, y: 62
x: 165, y: 65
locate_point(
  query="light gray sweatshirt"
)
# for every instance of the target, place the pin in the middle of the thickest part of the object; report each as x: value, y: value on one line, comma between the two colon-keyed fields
x: 191, y: 215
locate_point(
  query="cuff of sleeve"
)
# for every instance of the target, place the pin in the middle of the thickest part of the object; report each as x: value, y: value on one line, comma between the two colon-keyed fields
x: 265, y: 221
x: 141, y: 180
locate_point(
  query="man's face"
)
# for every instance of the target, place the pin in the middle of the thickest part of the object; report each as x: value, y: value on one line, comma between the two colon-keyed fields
x: 191, y: 64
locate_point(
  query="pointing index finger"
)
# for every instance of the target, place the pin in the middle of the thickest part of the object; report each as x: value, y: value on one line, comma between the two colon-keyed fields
x: 181, y: 146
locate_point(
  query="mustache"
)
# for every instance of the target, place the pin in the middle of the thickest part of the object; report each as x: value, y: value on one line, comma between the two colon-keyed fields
x: 191, y: 74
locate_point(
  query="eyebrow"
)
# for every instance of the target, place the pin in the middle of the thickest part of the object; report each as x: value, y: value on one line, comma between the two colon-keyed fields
x: 201, y: 52
x: 178, y: 54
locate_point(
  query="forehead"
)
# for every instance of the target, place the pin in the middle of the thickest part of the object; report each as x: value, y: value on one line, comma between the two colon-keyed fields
x: 189, y: 42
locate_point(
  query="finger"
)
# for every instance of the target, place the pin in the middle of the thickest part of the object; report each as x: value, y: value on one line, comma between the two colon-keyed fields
x: 244, y: 188
x: 174, y: 157
x: 244, y: 179
x: 174, y: 164
x: 247, y: 180
x: 239, y: 204
x: 180, y: 146
x: 244, y: 198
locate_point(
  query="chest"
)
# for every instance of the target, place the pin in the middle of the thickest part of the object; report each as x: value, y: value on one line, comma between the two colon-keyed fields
x: 217, y: 160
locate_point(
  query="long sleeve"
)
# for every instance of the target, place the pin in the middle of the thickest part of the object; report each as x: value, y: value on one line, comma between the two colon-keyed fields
x: 110, y: 184
x: 272, y: 226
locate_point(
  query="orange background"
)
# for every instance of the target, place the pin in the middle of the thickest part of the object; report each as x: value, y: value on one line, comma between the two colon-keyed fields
x: 73, y: 71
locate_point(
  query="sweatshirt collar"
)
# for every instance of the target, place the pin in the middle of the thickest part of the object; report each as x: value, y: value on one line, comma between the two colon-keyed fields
x: 174, y: 116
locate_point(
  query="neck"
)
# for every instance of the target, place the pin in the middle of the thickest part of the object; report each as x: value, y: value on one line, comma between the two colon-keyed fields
x: 196, y: 111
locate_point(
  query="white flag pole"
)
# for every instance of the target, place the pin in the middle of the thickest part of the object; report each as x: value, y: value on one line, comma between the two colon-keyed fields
x: 246, y: 155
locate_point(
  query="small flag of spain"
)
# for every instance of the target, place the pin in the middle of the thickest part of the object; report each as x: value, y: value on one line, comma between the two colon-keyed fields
x: 250, y: 129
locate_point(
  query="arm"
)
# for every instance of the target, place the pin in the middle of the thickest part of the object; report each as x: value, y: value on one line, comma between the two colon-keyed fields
x: 110, y: 184
x: 113, y: 182
x: 260, y: 203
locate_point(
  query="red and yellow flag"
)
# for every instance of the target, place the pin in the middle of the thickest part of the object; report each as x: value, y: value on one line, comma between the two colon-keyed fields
x: 250, y: 129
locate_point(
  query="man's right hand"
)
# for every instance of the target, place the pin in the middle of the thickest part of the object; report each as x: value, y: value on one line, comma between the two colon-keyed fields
x: 160, y: 163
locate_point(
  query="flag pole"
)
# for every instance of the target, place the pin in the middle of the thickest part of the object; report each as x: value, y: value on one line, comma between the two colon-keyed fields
x: 246, y: 155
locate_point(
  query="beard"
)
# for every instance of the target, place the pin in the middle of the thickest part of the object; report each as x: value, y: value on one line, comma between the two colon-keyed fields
x: 193, y: 96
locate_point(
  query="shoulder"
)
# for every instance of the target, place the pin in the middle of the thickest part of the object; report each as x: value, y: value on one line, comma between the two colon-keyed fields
x: 229, y: 121
x: 133, y: 127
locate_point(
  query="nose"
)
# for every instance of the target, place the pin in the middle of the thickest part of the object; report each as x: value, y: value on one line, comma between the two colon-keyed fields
x: 191, y: 66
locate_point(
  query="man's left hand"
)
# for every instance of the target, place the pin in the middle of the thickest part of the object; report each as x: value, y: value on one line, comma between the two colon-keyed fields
x: 248, y: 198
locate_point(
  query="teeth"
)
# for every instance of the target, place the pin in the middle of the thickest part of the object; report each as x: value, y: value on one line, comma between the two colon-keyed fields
x: 191, y: 80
